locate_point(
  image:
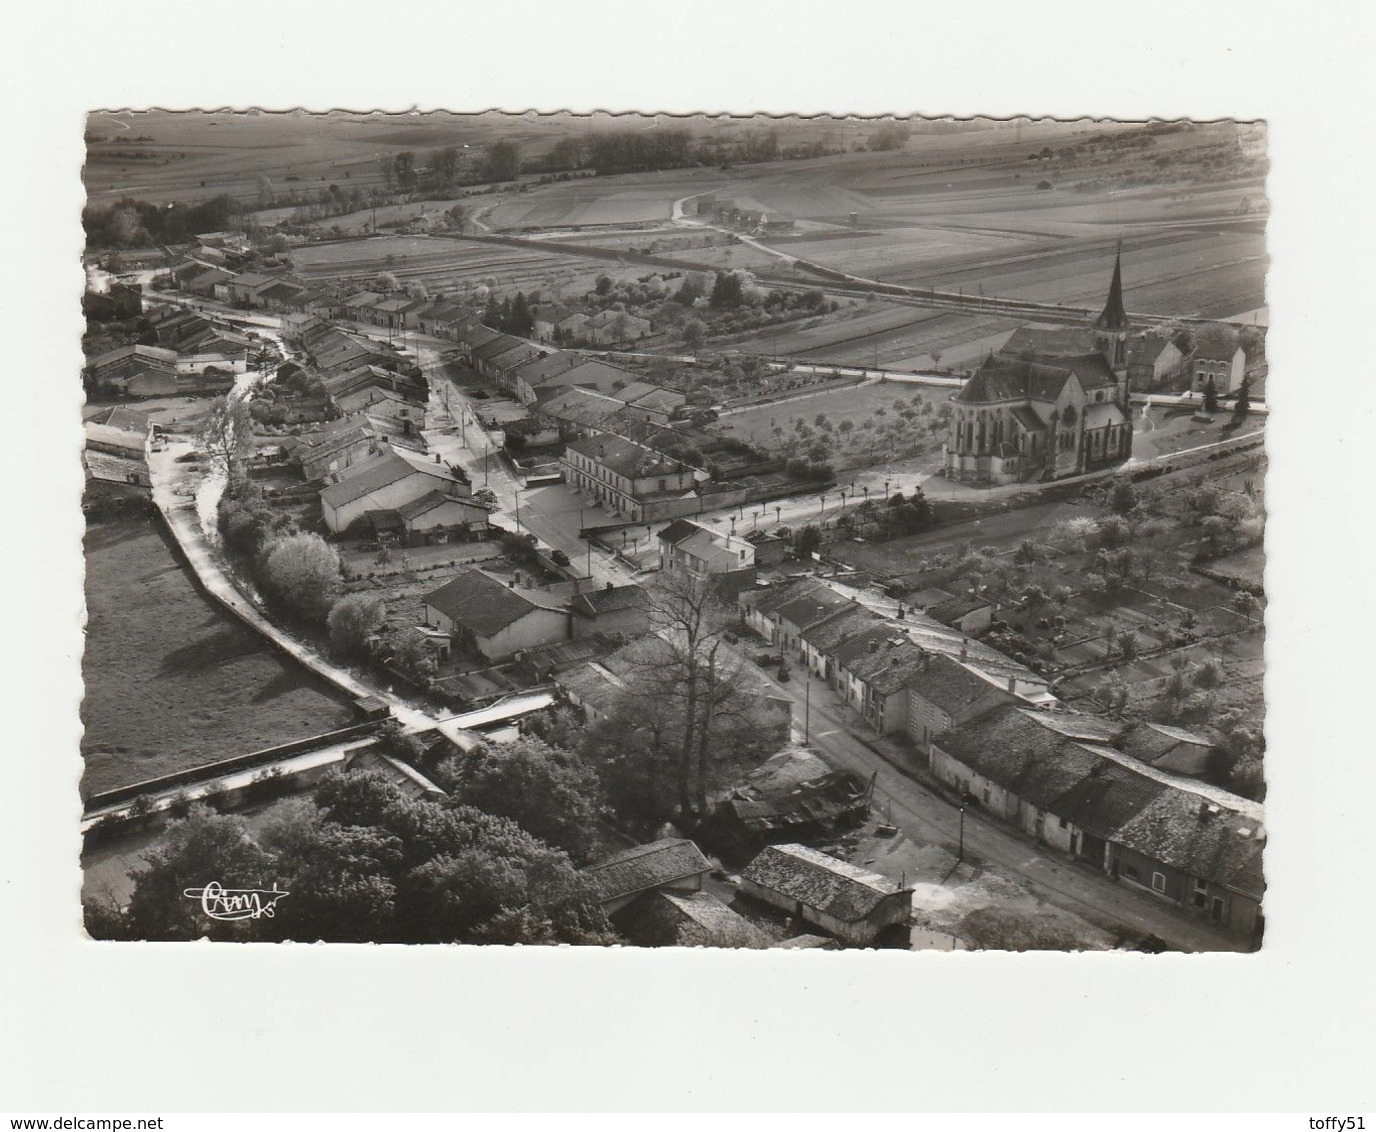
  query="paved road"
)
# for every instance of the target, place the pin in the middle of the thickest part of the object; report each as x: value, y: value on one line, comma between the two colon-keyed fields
x: 834, y: 731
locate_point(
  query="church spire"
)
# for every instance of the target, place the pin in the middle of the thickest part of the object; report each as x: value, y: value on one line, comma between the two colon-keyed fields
x: 1114, y: 316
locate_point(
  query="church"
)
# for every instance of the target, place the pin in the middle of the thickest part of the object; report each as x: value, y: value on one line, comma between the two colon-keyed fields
x: 1052, y: 402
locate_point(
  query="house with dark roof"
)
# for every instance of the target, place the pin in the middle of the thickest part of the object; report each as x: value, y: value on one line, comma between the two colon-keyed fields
x: 136, y: 371
x: 853, y: 905
x: 540, y: 382
x: 1217, y: 357
x: 621, y: 611
x: 1042, y: 413
x: 669, y: 865
x: 433, y: 519
x: 483, y: 614
x: 691, y: 551
x: 332, y: 449
x: 944, y: 693
x: 383, y: 483
x: 1064, y: 779
x: 781, y: 612
x: 969, y: 614
x: 1175, y: 749
x: 632, y: 478
x: 664, y: 918
x: 1154, y: 361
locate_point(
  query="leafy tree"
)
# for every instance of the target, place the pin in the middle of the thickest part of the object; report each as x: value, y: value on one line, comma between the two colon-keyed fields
x: 727, y: 292
x: 1210, y: 673
x: 412, y: 654
x: 300, y: 575
x: 203, y: 848
x: 807, y: 541
x: 226, y: 437
x: 546, y: 790
x: 352, y: 620
x: 1246, y: 603
x: 485, y: 497
x: 502, y: 161
x: 340, y: 876
x: 603, y: 286
x: 694, y: 331
x: 1122, y: 497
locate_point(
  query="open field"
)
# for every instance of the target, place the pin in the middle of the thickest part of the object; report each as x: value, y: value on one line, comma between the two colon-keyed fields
x: 171, y: 682
x: 446, y: 265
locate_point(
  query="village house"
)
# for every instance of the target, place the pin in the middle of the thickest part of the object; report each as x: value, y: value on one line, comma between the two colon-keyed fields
x: 620, y: 611
x: 135, y: 371
x: 433, y: 519
x: 685, y: 919
x: 383, y: 483
x: 610, y: 328
x: 1154, y: 361
x: 243, y: 290
x: 482, y: 357
x: 821, y: 640
x: 120, y: 302
x: 1168, y: 748
x: 688, y: 550
x: 389, y: 413
x: 473, y: 335
x: 545, y: 378
x: 631, y: 478
x: 669, y: 865
x: 1041, y: 414
x: 359, y: 305
x: 1061, y: 778
x: 1217, y: 357
x: 482, y: 614
x: 546, y: 317
x: 972, y: 615
x: 115, y: 455
x: 339, y: 444
x: 781, y: 613
x: 857, y: 907
x: 574, y: 413
x: 944, y: 693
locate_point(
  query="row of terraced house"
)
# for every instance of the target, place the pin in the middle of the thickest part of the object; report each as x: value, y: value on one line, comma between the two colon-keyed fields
x: 1126, y: 799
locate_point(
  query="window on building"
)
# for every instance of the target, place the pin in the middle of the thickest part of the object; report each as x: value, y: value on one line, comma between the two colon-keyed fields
x: 1158, y: 882
x: 1061, y: 823
x: 1129, y: 871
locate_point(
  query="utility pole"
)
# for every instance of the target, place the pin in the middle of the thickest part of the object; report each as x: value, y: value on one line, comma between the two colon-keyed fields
x: 960, y: 853
x: 807, y: 702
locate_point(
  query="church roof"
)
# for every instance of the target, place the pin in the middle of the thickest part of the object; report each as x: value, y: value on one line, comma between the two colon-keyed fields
x: 1114, y: 316
x: 1034, y: 378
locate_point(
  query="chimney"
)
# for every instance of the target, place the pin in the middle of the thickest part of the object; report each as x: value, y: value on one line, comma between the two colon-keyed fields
x: 611, y: 585
x: 1012, y: 685
x: 964, y: 650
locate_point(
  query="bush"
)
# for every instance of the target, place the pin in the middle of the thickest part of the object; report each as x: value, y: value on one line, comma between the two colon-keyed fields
x: 300, y: 574
x: 352, y: 620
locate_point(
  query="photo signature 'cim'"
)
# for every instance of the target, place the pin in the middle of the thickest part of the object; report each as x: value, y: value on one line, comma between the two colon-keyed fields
x: 221, y: 903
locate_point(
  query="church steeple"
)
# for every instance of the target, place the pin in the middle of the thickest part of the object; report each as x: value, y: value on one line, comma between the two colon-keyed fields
x: 1115, y: 317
